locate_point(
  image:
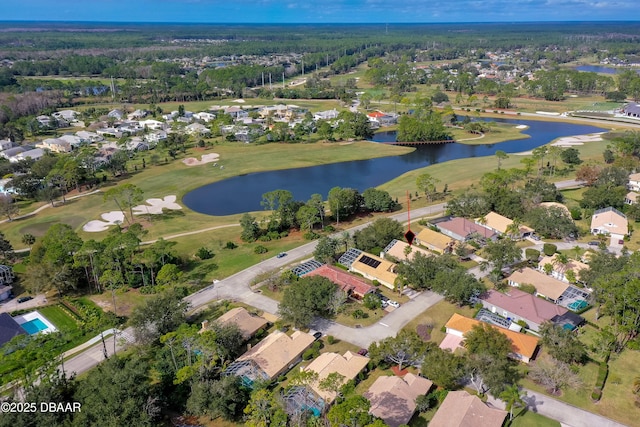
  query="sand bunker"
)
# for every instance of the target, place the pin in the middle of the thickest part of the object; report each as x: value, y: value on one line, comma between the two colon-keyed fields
x: 206, y: 158
x: 157, y: 205
x: 110, y: 218
x: 568, y: 141
x: 522, y: 127
x: 153, y: 207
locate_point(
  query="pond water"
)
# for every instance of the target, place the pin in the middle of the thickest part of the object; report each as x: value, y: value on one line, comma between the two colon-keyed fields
x: 601, y: 69
x: 244, y: 193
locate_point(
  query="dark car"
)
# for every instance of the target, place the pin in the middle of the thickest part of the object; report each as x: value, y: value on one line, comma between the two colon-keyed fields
x: 593, y: 243
x: 317, y: 335
x: 281, y: 255
x: 363, y: 352
x: 24, y: 299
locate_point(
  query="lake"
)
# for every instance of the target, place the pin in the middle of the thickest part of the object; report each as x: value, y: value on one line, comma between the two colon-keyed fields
x: 601, y: 69
x: 244, y: 193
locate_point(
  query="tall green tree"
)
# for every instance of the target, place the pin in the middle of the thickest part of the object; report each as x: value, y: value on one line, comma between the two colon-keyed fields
x: 158, y: 315
x: 125, y: 196
x: 305, y: 299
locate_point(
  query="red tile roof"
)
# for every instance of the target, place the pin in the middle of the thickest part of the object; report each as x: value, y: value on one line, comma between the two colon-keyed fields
x: 346, y: 281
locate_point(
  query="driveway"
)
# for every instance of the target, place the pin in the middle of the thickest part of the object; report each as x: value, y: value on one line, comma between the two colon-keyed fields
x: 13, y: 304
x: 566, y: 414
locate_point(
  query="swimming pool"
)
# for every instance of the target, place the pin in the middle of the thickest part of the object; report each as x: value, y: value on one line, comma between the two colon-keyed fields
x: 34, y: 323
x: 34, y: 326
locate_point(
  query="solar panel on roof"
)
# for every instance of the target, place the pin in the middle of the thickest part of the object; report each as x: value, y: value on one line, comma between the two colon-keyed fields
x: 373, y: 263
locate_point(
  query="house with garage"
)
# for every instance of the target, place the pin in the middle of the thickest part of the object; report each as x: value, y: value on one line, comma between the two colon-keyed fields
x: 634, y: 182
x: 632, y: 109
x: 523, y: 346
x: 393, y: 398
x: 631, y: 198
x: 247, y: 323
x: 434, y: 241
x: 546, y: 286
x: 610, y: 221
x: 402, y: 251
x: 461, y: 409
x: 348, y: 366
x: 354, y: 286
x: 503, y: 225
x: 516, y: 305
x: 463, y: 230
x: 33, y: 154
x: 370, y: 266
x: 560, y: 270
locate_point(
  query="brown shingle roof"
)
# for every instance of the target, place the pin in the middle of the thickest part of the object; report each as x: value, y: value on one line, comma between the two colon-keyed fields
x: 545, y: 285
x: 397, y: 251
x: 428, y: 237
x: 524, y: 345
x: 277, y: 351
x: 394, y: 399
x: 349, y: 366
x: 246, y: 322
x: 384, y: 272
x: 460, y: 409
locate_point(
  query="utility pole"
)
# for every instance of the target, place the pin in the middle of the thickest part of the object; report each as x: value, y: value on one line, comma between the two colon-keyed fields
x: 303, y: 68
x: 263, y: 79
x: 283, y: 80
x: 270, y: 87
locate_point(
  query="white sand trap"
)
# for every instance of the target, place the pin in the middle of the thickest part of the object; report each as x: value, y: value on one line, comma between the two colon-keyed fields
x: 157, y: 205
x: 241, y: 101
x: 110, y: 218
x: 569, y: 141
x: 522, y: 127
x: 206, y: 158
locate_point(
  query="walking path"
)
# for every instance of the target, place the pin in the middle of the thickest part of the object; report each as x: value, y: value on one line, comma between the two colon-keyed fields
x: 48, y: 205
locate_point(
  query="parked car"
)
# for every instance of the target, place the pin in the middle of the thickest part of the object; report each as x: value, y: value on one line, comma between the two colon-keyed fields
x: 363, y: 352
x: 24, y: 299
x: 593, y: 243
x: 394, y: 304
x: 281, y: 255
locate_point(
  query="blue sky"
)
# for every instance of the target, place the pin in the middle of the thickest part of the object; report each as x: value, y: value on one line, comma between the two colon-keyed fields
x: 322, y: 11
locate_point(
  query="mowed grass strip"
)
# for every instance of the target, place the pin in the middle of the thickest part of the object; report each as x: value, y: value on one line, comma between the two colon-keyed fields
x: 56, y: 315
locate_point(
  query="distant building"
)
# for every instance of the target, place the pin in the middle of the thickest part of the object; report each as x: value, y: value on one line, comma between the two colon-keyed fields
x: 34, y: 154
x: 631, y: 110
x: 631, y: 198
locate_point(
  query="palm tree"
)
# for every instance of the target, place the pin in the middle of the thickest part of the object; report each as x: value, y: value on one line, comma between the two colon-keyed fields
x: 512, y: 396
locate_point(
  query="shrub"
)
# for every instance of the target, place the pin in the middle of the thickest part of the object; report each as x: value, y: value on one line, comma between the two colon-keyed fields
x: 204, y: 253
x: 310, y: 235
x: 329, y: 228
x: 549, y: 249
x: 528, y: 288
x: 532, y: 254
x: 522, y: 323
x: 576, y: 213
x: 359, y: 314
x: 230, y: 245
x: 331, y: 339
x: 260, y: 249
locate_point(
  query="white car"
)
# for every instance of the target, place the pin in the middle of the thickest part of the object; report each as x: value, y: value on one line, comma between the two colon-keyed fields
x: 393, y: 303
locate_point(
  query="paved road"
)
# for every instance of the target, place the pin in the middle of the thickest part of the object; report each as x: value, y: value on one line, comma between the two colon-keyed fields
x: 92, y: 356
x: 568, y: 415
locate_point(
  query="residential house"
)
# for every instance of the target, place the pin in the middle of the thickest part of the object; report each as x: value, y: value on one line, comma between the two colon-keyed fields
x: 352, y: 285
x: 461, y: 409
x: 271, y: 357
x: 326, y: 115
x: 11, y: 152
x: 44, y: 120
x: 517, y: 305
x: 6, y: 274
x: 610, y: 221
x: 153, y: 138
x: 463, y: 230
x: 55, y: 145
x: 88, y: 137
x: 556, y: 205
x: 634, y: 182
x: 559, y: 270
x: 434, y: 241
x: 197, y: 129
x: 137, y: 144
x: 524, y: 346
x: 66, y: 115
x: 631, y: 198
x: 138, y: 114
x: 116, y: 133
x: 402, y: 251
x: 151, y: 124
x: 247, y: 323
x: 236, y: 113
x: 375, y: 268
x: 546, y: 286
x: 348, y: 365
x: 503, y: 225
x: 3, y: 186
x: 382, y: 119
x: 205, y: 116
x: 116, y: 114
x: 34, y: 154
x: 5, y: 144
x: 394, y: 398
x: 9, y: 329
x: 5, y: 291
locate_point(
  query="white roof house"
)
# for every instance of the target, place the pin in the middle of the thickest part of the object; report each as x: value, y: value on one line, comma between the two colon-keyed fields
x: 610, y: 221
x: 34, y: 154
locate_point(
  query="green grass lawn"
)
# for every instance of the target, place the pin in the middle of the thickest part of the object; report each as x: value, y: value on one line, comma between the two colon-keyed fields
x: 56, y: 315
x: 438, y: 315
x: 531, y: 419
